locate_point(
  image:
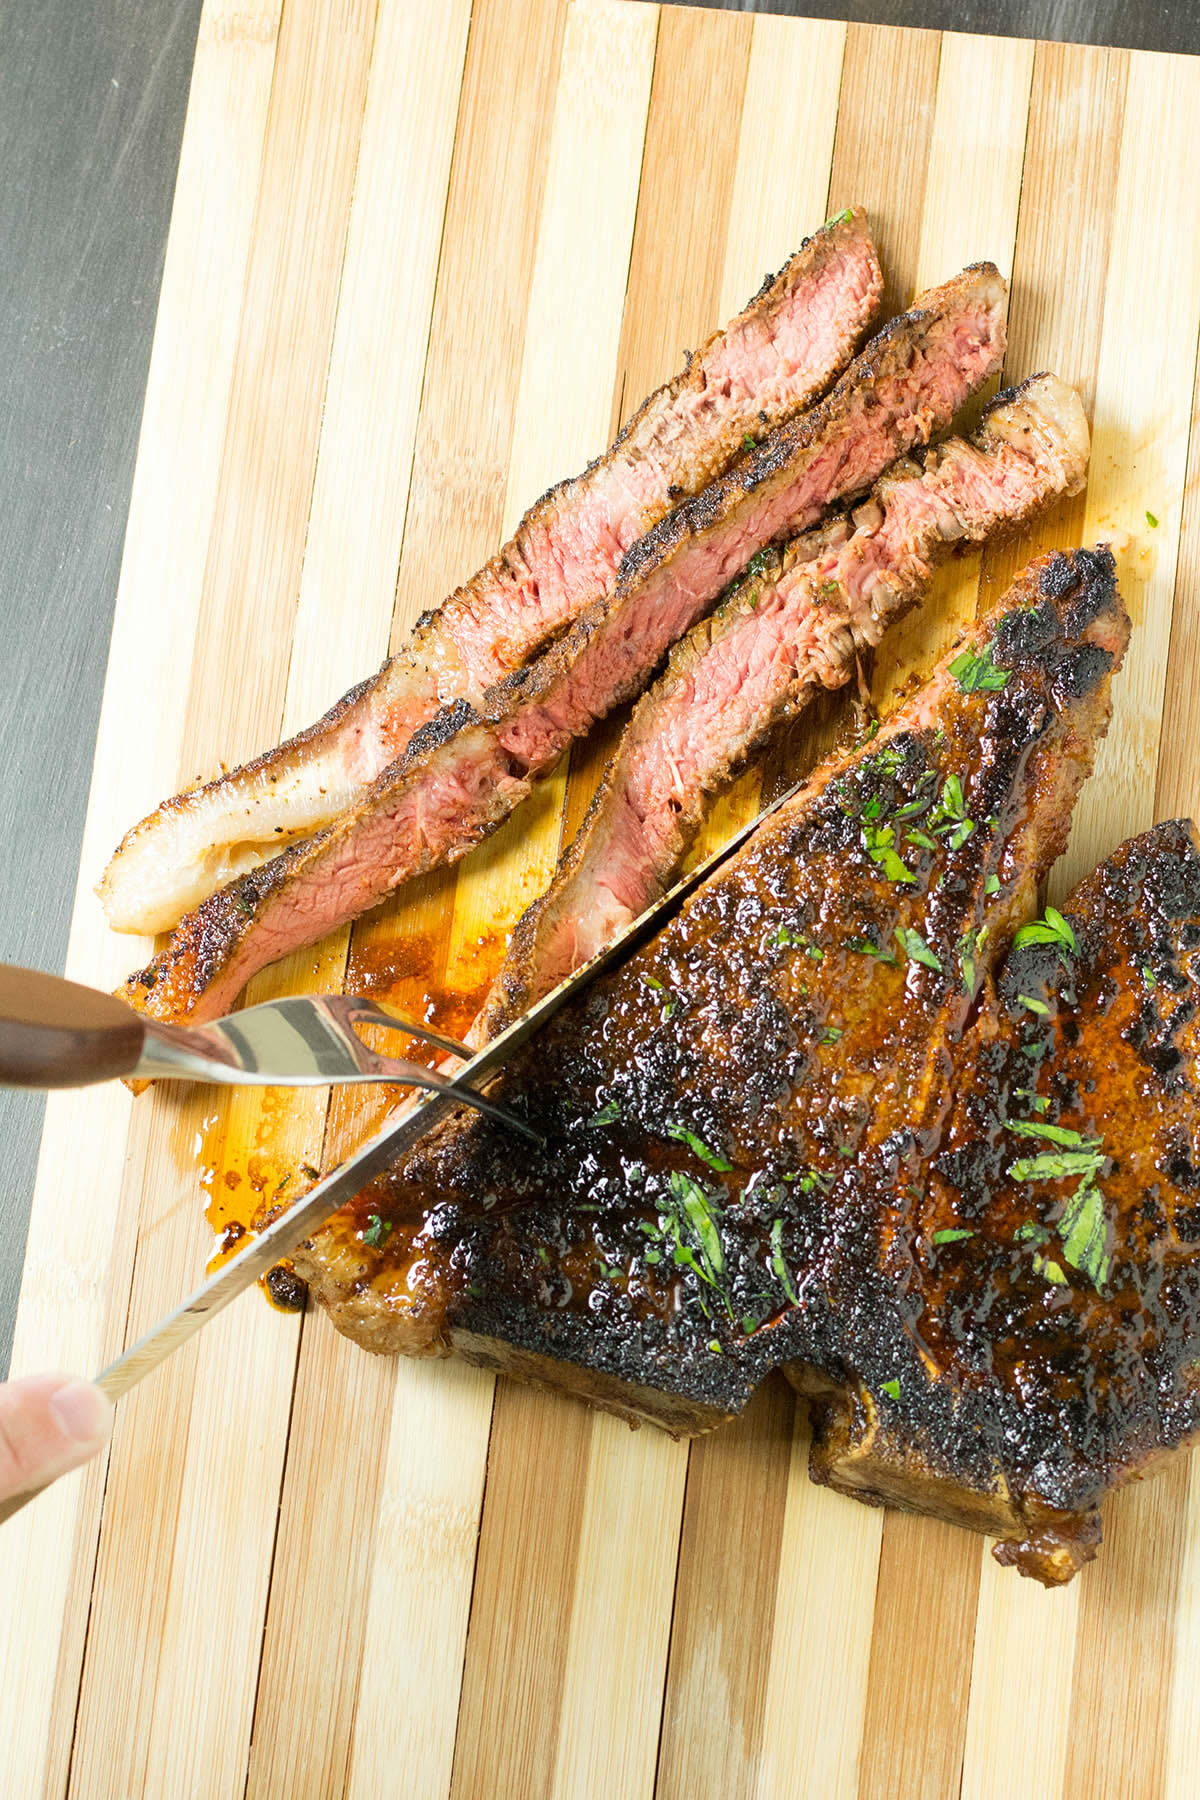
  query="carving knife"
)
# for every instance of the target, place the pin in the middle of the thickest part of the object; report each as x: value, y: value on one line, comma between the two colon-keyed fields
x: 398, y: 1135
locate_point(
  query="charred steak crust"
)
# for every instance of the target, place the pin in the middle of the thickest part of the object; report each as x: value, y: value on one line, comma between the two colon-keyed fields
x: 826, y: 1120
x: 775, y: 357
x: 431, y: 809
x: 797, y: 622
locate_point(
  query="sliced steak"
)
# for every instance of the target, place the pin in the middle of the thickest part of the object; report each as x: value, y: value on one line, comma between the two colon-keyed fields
x: 820, y: 1122
x: 772, y: 360
x: 794, y: 625
x: 466, y: 770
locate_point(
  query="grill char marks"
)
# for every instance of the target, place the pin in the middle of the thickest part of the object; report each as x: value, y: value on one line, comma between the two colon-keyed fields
x: 439, y: 800
x: 757, y: 1127
x: 774, y: 358
x: 787, y: 630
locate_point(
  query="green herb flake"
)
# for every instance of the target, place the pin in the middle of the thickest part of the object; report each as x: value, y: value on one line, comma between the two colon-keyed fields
x: 992, y: 885
x: 916, y: 949
x: 880, y: 841
x: 1053, y: 929
x: 976, y: 671
x: 759, y: 563
x: 749, y: 443
x: 609, y: 1113
x: 1151, y: 520
x: 651, y: 1255
x: 1031, y: 1234
x: 714, y: 1346
x: 784, y: 939
x: 832, y: 1034
x: 699, y: 1148
x: 891, y: 1389
x: 1083, y: 1229
x: 966, y: 960
x: 1050, y: 1271
x: 864, y: 947
x: 378, y: 1231
x: 750, y: 1324
x: 922, y: 838
x: 1052, y: 1134
x: 1148, y: 976
x: 1035, y: 1005
x: 1056, y: 1165
x: 842, y: 218
x: 782, y: 1272
x: 952, y: 1234
x: 697, y: 1209
x: 815, y: 953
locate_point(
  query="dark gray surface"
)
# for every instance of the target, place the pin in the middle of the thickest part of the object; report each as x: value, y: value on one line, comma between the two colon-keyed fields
x: 1133, y: 24
x: 92, y: 98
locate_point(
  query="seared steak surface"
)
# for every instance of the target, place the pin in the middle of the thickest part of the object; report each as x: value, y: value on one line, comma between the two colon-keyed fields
x: 772, y: 360
x: 797, y: 623
x: 830, y: 1120
x: 465, y: 771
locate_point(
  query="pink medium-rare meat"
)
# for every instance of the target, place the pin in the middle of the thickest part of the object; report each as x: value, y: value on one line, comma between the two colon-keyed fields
x: 772, y: 360
x: 465, y: 770
x: 794, y: 624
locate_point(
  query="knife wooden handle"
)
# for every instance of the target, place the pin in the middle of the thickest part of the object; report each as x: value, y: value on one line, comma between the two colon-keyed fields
x: 56, y: 1034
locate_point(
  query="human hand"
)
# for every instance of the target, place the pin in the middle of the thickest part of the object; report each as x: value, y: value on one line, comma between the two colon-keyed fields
x: 48, y: 1424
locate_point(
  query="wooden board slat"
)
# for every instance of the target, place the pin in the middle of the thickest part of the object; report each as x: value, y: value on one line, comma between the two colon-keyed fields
x: 425, y: 255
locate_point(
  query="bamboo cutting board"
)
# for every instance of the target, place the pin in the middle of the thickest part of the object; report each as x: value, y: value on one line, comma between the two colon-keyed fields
x: 425, y: 256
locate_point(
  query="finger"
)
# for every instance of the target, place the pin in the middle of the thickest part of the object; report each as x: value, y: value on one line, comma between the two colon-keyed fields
x: 48, y: 1424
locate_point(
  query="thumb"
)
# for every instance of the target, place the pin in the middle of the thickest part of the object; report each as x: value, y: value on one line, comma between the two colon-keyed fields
x: 48, y: 1424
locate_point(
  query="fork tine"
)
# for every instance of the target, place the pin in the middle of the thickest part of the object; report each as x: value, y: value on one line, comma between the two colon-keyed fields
x: 358, y: 1011
x: 417, y: 1075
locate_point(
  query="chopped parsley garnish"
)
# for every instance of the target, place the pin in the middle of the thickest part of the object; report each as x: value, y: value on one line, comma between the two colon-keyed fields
x: 1050, y: 1271
x: 759, y: 563
x: 714, y: 1346
x: 1035, y: 1005
x: 1053, y: 929
x: 1052, y: 1134
x: 378, y: 1231
x: 1148, y: 976
x: 975, y: 671
x: 916, y: 949
x: 699, y: 1148
x: 1083, y: 1229
x: 891, y: 1389
x: 1056, y: 1165
x: 1083, y: 1226
x: 696, y: 1212
x: 880, y: 841
x: 785, y: 938
x: 952, y: 1234
x: 780, y: 1267
x: 1031, y: 1234
x: 1151, y: 520
x: 864, y: 947
x: 842, y: 218
x: 608, y: 1114
x: 749, y: 443
x: 992, y: 885
x: 922, y: 838
x: 815, y: 953
x: 659, y: 988
x: 831, y: 1034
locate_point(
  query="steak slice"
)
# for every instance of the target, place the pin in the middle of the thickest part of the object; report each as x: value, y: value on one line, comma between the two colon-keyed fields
x: 795, y: 624
x: 466, y: 770
x: 768, y: 1134
x: 772, y: 360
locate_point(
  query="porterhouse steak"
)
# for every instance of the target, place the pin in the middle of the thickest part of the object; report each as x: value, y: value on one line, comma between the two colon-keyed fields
x: 769, y: 362
x: 832, y: 1119
x: 797, y: 623
x: 465, y: 771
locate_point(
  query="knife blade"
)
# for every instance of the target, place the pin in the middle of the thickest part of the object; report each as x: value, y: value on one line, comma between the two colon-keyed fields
x: 398, y: 1135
